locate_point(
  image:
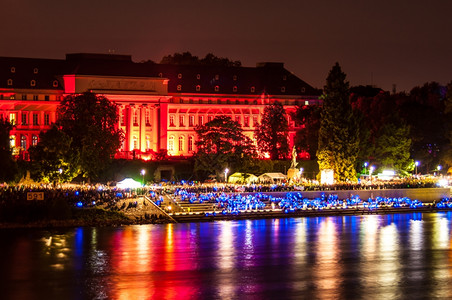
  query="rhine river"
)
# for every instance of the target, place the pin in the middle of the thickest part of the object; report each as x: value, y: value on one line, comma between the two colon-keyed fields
x: 400, y: 256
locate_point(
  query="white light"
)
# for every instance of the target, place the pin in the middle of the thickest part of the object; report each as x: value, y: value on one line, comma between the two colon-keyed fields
x: 143, y: 172
x: 416, y: 163
x: 439, y: 167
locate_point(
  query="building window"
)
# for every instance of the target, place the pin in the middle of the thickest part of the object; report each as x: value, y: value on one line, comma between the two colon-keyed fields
x: 12, y: 118
x: 35, y: 119
x: 201, y: 120
x: 135, y: 118
x: 255, y: 122
x: 284, y: 78
x: 181, y: 121
x: 255, y: 102
x: 55, y: 83
x: 217, y: 77
x: 209, y: 101
x: 160, y: 75
x: 33, y: 82
x: 135, y: 142
x: 303, y: 89
x: 46, y: 97
x: 283, y: 89
x: 23, y: 142
x: 34, y: 140
x: 171, y: 143
x: 191, y: 120
x: 147, y: 117
x: 35, y: 71
x: 24, y: 97
x: 306, y: 102
x: 253, y: 89
x: 10, y: 82
x: 171, y: 121
x: 190, y: 101
x: 217, y: 88
x: 35, y: 97
x: 209, y: 118
x: 12, y: 141
x: 123, y: 117
x: 247, y: 121
x: 179, y: 87
x: 190, y: 143
x: 246, y: 101
x: 148, y: 142
x: 181, y: 100
x: 234, y: 77
x: 46, y: 119
x: 13, y: 70
x: 12, y: 97
x: 179, y: 76
x: 237, y: 101
x: 198, y: 88
x: 181, y: 143
x: 198, y: 76
x: 24, y: 119
x: 234, y: 89
x: 218, y: 101
x: 237, y: 119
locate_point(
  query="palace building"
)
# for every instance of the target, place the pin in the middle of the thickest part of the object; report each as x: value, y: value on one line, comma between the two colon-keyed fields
x: 159, y: 105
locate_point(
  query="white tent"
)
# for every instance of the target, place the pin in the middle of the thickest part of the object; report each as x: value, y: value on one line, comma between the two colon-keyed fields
x: 272, y: 177
x: 242, y: 178
x: 128, y: 183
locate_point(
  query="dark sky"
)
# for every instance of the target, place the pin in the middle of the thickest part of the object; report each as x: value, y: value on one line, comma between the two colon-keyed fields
x: 402, y: 42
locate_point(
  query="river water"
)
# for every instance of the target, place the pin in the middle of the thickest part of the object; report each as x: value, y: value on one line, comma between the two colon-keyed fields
x: 401, y: 256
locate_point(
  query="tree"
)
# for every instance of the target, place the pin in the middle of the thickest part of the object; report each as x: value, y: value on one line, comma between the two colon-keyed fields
x: 272, y: 133
x: 91, y: 122
x: 221, y: 143
x: 339, y: 133
x: 307, y: 137
x: 53, y: 158
x: 186, y: 58
x: 8, y: 169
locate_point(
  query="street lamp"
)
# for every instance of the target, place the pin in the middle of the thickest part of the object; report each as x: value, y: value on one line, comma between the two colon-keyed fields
x: 365, y: 167
x: 226, y: 171
x: 416, y: 164
x: 301, y: 172
x: 439, y: 169
x: 371, y: 169
x: 143, y: 171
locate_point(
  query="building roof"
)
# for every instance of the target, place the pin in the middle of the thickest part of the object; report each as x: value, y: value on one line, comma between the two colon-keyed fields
x: 265, y: 78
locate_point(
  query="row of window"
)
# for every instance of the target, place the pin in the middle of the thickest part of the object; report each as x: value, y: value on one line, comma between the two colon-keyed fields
x: 191, y: 120
x: 217, y: 76
x: 13, y: 70
x: 24, y: 119
x: 181, y: 144
x: 23, y: 141
x: 135, y: 120
x: 9, y: 82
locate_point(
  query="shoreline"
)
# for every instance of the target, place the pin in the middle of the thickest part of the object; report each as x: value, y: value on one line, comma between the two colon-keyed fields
x: 213, y: 217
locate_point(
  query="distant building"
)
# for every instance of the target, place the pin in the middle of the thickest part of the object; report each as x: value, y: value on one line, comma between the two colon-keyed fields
x: 159, y: 105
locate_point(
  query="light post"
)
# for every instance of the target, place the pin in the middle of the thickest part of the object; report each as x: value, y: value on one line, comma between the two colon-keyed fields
x: 371, y: 169
x: 301, y: 172
x: 416, y: 164
x: 226, y: 171
x: 365, y: 167
x: 143, y: 171
x: 439, y: 169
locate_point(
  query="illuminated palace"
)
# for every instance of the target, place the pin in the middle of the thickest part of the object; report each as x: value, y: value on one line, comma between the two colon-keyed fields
x: 159, y: 105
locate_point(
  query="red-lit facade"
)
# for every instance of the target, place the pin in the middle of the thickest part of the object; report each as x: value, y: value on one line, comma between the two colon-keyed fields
x: 159, y: 105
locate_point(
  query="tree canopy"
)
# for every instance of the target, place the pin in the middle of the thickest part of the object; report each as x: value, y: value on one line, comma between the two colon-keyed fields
x: 9, y: 166
x: 186, y: 58
x: 339, y: 132
x: 221, y: 143
x: 272, y: 133
x: 91, y: 122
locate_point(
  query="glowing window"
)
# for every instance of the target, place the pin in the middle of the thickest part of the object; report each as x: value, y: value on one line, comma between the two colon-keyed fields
x: 198, y: 76
x: 190, y: 143
x: 179, y: 76
x: 181, y: 143
x: 35, y: 97
x: 10, y: 82
x: 13, y: 70
x: 253, y: 89
x: 306, y: 102
x: 171, y: 143
x: 171, y: 121
x: 55, y: 83
x: 35, y: 71
x: 34, y: 140
x: 198, y: 88
x: 217, y: 88
x: 33, y: 82
x: 234, y: 89
x: 12, y: 118
x: 23, y: 142
x: 12, y: 141
x: 179, y: 87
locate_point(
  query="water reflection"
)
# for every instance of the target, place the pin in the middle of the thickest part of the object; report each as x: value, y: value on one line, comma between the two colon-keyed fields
x: 372, y: 256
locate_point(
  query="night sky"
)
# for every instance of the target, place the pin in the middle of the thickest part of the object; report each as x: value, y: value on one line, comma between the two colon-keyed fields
x: 400, y: 42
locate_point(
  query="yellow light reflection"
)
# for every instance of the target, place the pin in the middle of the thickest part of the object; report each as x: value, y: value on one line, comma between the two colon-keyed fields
x: 300, y: 256
x: 389, y: 268
x: 226, y: 253
x: 441, y: 240
x: 327, y: 269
